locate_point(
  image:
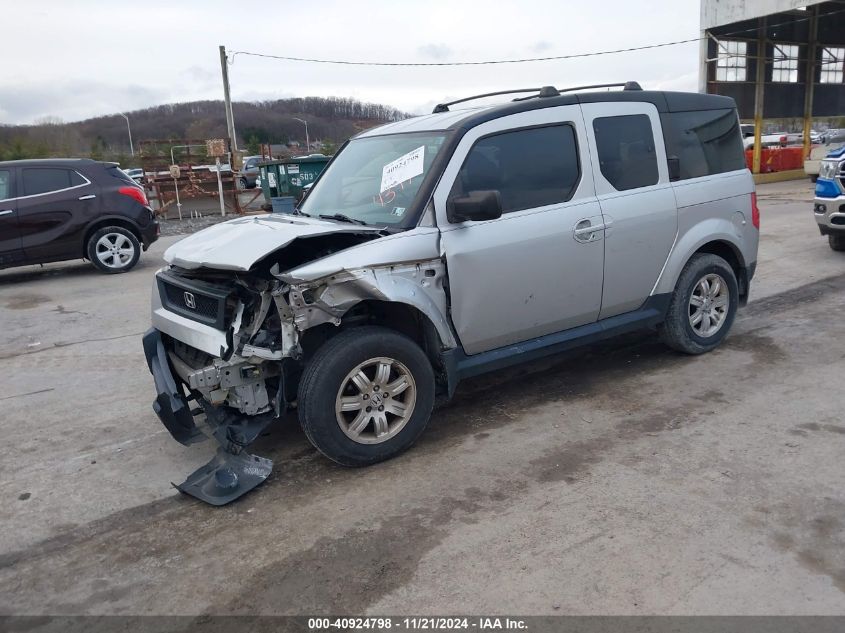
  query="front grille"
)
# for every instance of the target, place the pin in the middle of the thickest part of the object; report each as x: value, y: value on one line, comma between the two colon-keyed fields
x: 200, y: 305
x: 194, y: 299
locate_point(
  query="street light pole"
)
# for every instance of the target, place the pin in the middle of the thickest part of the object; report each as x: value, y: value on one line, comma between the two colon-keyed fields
x: 128, y: 129
x: 307, y: 140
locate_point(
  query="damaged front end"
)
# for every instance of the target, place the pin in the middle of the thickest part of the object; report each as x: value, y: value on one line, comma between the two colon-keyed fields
x: 235, y: 392
x: 226, y: 348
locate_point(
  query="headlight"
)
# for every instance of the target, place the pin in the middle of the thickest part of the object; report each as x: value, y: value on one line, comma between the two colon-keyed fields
x: 828, y: 169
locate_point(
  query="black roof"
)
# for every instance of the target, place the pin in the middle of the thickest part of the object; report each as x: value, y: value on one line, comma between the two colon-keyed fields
x: 663, y: 101
x: 51, y: 162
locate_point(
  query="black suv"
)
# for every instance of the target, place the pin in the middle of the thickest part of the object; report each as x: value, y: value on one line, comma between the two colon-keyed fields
x: 65, y: 208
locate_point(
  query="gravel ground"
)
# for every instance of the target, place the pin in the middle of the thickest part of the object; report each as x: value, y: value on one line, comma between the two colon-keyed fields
x: 210, y: 215
x: 187, y: 225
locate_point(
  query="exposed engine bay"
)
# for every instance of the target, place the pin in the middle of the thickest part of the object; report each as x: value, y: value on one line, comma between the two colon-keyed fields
x: 267, y: 318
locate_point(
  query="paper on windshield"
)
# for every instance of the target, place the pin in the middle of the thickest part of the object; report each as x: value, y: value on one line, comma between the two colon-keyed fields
x: 403, y: 168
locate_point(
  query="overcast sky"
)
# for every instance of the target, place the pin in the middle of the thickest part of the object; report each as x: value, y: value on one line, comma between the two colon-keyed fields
x: 74, y: 60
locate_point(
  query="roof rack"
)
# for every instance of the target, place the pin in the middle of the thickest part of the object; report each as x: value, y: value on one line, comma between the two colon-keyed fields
x: 545, y: 91
x: 444, y: 107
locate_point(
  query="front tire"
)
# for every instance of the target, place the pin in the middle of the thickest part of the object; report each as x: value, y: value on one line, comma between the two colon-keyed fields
x: 703, y: 305
x: 837, y: 242
x: 366, y: 396
x: 113, y: 249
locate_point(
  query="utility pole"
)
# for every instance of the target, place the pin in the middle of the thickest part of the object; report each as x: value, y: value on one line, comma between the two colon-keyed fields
x: 227, y: 100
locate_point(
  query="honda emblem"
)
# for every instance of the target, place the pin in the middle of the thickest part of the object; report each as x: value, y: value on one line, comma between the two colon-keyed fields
x: 190, y: 301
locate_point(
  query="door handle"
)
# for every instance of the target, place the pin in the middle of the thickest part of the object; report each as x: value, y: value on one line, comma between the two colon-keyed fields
x: 585, y: 231
x: 7, y: 212
x: 90, y: 196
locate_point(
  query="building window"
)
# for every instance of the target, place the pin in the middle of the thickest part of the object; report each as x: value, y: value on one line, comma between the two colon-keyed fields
x: 785, y: 63
x: 730, y: 66
x: 833, y: 64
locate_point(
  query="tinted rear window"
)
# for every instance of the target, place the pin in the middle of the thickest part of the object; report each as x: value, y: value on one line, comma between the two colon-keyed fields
x: 705, y: 142
x: 46, y: 179
x: 118, y: 173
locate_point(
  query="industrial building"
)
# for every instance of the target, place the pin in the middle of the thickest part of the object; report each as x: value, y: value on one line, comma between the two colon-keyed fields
x: 778, y: 59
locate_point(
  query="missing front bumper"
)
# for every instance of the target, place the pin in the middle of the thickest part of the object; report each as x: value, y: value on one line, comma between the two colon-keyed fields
x: 171, y: 405
x: 226, y: 477
x: 232, y: 472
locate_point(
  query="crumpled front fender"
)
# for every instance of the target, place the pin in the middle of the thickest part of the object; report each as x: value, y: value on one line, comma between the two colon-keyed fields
x: 419, y: 285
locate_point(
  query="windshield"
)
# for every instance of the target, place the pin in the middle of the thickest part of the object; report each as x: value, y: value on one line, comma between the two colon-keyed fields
x: 375, y: 180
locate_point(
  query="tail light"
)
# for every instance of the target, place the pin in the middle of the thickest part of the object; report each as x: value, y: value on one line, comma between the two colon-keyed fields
x: 136, y: 193
x: 755, y: 212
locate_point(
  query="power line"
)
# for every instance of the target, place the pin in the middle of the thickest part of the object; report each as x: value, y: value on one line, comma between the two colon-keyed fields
x: 522, y: 60
x: 479, y: 63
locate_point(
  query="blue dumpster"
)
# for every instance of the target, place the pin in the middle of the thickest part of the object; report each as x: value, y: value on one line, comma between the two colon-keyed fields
x: 283, y: 204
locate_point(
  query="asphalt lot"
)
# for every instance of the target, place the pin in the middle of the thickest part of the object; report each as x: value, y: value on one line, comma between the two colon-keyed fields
x: 623, y: 479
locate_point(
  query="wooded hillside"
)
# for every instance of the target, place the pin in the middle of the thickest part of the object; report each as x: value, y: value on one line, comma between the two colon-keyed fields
x: 331, y: 120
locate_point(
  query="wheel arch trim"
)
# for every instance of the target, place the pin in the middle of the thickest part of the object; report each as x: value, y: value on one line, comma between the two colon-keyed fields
x: 715, y: 231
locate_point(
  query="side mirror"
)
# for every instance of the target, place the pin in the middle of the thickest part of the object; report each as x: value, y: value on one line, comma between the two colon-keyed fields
x: 478, y: 205
x: 674, y: 168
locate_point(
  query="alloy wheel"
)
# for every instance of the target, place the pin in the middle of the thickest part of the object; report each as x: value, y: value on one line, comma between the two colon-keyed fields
x: 115, y: 250
x: 375, y: 400
x: 709, y: 305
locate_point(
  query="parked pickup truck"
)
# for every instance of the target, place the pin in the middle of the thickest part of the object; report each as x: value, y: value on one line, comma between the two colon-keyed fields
x: 829, y: 205
x: 830, y: 142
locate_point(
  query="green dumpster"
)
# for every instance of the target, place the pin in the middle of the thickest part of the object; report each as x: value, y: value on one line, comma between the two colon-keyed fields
x: 287, y: 177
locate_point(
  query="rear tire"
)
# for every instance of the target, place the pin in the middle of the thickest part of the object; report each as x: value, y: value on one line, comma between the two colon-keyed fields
x: 113, y: 249
x: 837, y: 242
x: 366, y: 396
x: 703, y: 305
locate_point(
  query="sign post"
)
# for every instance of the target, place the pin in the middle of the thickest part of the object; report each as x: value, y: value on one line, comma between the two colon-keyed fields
x: 175, y: 172
x: 217, y: 147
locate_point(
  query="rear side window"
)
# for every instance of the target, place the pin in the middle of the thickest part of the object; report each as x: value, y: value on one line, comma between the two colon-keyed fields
x: 46, y: 179
x: 625, y: 147
x: 529, y: 168
x: 5, y: 184
x: 705, y: 142
x: 117, y: 172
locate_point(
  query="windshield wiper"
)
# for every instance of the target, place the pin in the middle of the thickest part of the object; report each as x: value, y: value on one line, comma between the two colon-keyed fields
x: 296, y: 211
x: 341, y: 217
